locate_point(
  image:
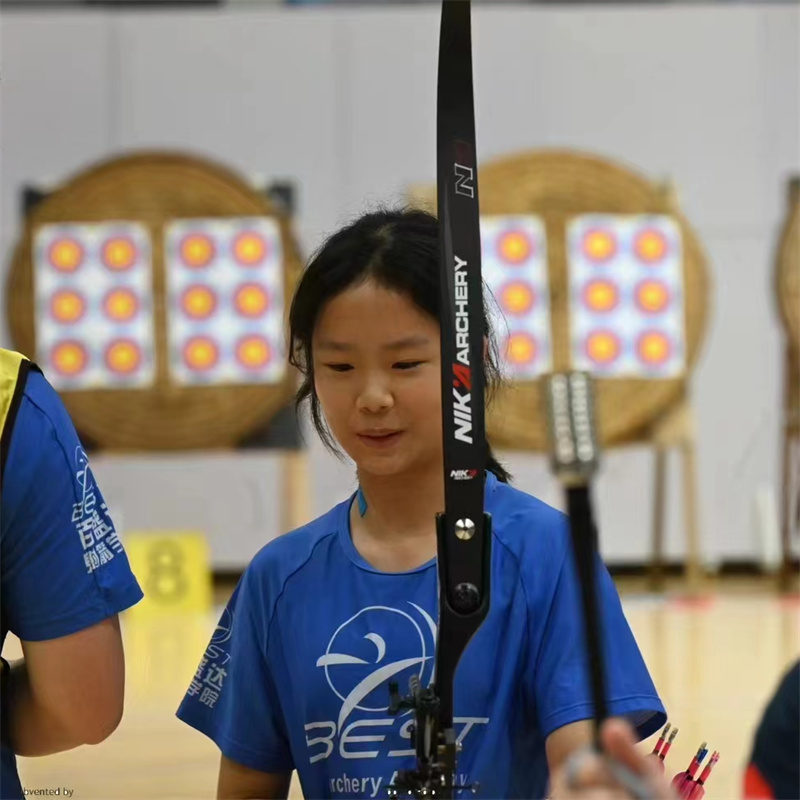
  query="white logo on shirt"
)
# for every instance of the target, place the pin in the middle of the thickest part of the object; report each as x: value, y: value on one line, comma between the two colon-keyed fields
x: 375, y: 646
x: 92, y: 522
x: 224, y: 628
x: 353, y: 687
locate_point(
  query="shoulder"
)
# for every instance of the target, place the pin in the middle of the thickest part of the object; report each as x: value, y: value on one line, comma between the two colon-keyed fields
x: 43, y: 440
x: 530, y: 530
x: 286, y: 556
x: 42, y: 412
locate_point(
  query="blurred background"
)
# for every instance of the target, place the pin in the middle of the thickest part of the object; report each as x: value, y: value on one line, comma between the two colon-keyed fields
x: 305, y: 114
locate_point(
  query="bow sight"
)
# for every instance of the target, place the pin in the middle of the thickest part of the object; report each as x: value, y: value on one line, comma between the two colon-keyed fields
x: 435, y: 749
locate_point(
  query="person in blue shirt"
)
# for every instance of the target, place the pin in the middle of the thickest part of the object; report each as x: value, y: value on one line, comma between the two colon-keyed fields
x: 296, y: 674
x: 64, y: 579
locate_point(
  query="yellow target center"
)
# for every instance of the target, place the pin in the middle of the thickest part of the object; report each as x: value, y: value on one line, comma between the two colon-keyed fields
x: 252, y: 301
x: 652, y: 296
x: 599, y: 245
x: 651, y: 246
x: 249, y: 249
x: 69, y: 358
x: 199, y: 302
x: 201, y: 354
x: 197, y: 250
x: 601, y: 295
x: 254, y: 352
x: 119, y: 254
x: 123, y: 357
x: 521, y: 349
x: 515, y: 247
x: 66, y: 255
x: 121, y: 305
x: 602, y: 347
x: 517, y: 298
x: 67, y: 306
x: 654, y: 348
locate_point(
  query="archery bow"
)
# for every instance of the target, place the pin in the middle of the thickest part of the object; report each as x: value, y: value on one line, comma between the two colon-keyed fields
x: 463, y: 529
x: 570, y: 410
x: 575, y: 459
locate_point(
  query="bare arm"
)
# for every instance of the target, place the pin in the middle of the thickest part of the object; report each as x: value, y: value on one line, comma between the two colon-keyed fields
x: 237, y: 782
x: 68, y: 691
x: 622, y: 772
x: 562, y: 743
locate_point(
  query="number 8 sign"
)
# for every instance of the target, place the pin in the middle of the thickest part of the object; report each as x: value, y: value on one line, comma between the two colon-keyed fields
x: 173, y: 569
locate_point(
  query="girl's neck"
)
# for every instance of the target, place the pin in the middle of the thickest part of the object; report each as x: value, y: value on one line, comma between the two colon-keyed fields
x: 402, y: 506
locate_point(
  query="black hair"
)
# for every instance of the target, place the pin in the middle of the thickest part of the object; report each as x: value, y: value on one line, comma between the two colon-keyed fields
x: 399, y: 250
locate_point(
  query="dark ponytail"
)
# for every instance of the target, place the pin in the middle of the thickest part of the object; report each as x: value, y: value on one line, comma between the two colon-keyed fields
x: 399, y: 250
x: 496, y: 468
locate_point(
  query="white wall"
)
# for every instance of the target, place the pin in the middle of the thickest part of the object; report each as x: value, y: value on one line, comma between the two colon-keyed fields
x: 343, y: 102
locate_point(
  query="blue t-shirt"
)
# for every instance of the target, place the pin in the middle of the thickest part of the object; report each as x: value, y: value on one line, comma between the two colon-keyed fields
x: 296, y: 674
x: 62, y: 565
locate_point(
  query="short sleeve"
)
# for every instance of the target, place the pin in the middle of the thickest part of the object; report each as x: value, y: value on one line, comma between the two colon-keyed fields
x: 233, y: 698
x: 557, y: 678
x: 63, y: 565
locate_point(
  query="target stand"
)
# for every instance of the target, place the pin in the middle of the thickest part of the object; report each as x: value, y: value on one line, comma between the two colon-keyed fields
x: 787, y: 287
x: 595, y: 268
x: 152, y: 289
x: 675, y: 430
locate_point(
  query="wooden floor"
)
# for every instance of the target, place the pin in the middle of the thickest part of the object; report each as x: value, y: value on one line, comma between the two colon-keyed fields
x: 714, y: 661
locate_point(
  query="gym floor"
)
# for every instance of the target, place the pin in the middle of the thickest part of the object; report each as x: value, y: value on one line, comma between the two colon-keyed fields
x: 715, y: 659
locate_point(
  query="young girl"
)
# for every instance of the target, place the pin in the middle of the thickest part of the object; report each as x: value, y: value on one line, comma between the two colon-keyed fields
x: 296, y: 676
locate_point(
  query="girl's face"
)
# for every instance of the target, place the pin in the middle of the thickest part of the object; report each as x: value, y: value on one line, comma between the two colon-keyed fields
x: 377, y: 375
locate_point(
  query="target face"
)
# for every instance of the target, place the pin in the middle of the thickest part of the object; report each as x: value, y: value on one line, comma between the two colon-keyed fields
x: 521, y: 349
x: 199, y: 302
x: 652, y: 297
x: 654, y: 348
x: 121, y: 305
x: 229, y: 328
x: 626, y: 296
x: 514, y: 266
x: 250, y: 249
x: 599, y: 246
x: 69, y: 358
x: 253, y: 352
x: 517, y: 298
x: 119, y: 253
x: 123, y: 356
x: 251, y: 300
x: 67, y: 306
x: 201, y: 353
x: 65, y: 255
x: 651, y: 246
x: 603, y: 347
x: 91, y: 283
x: 515, y: 246
x: 601, y: 296
x: 197, y: 250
